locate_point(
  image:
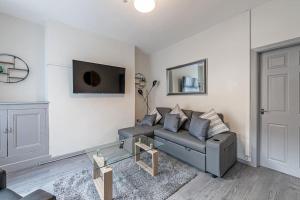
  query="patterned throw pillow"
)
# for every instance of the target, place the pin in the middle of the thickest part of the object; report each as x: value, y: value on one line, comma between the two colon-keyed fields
x: 158, y: 115
x: 216, y: 124
x: 182, y: 116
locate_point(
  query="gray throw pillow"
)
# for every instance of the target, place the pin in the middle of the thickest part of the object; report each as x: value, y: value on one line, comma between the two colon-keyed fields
x: 199, y: 128
x: 148, y: 120
x: 172, y: 122
x: 183, y: 117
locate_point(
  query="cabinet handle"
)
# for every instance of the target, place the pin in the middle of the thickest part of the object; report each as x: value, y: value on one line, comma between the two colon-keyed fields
x: 10, y: 130
x: 6, y: 131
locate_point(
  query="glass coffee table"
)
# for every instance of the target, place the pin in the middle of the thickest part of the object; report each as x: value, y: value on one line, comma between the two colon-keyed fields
x: 106, y: 155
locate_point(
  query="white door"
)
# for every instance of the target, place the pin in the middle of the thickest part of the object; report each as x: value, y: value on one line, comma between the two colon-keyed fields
x: 280, y: 123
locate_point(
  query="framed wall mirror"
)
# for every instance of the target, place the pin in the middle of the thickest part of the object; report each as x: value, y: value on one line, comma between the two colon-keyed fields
x: 187, y: 79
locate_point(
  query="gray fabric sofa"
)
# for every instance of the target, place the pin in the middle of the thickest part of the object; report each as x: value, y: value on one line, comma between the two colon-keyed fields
x: 7, y: 194
x: 216, y: 155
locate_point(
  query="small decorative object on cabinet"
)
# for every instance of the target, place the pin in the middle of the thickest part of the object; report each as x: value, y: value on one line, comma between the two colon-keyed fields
x: 13, y: 69
x: 24, y: 137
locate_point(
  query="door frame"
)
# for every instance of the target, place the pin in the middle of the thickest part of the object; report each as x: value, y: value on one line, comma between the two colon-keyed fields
x: 255, y: 83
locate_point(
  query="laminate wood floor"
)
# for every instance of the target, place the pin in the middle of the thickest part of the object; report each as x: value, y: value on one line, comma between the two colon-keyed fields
x: 240, y: 183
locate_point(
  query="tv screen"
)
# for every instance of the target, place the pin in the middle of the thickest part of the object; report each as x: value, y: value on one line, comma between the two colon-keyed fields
x: 97, y: 78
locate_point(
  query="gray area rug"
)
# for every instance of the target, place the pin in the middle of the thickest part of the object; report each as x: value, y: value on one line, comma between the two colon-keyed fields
x: 129, y: 182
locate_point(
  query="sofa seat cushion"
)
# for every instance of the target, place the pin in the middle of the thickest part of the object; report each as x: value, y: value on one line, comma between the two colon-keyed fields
x: 9, y: 195
x: 182, y: 137
x: 137, y: 131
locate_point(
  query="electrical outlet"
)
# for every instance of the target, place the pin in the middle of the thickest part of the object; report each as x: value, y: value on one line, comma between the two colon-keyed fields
x: 247, y: 158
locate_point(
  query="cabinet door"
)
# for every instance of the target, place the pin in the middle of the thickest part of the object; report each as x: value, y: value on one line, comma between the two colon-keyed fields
x: 3, y: 133
x: 26, y: 131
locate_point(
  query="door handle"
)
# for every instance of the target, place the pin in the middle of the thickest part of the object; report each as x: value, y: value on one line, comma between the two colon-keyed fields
x: 6, y: 131
x: 263, y: 111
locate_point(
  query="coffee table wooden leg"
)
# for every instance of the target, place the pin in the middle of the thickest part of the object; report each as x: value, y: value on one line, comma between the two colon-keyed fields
x: 96, y: 171
x: 107, y: 183
x: 103, y: 181
x: 154, y: 162
x: 137, y: 153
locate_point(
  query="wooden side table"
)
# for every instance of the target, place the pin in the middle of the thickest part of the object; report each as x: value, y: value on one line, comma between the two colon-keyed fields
x: 153, y: 169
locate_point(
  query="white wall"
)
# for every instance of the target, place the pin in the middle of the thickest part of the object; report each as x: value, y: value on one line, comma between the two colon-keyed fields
x: 82, y: 121
x: 25, y: 40
x: 227, y: 47
x: 142, y: 65
x: 275, y: 21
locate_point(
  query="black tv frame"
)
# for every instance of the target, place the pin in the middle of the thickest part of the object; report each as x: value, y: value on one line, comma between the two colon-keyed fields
x: 80, y: 86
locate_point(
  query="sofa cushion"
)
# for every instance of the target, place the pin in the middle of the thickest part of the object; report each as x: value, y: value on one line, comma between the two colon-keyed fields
x: 149, y: 120
x: 137, y: 130
x: 186, y: 124
x: 199, y: 128
x: 163, y: 111
x: 7, y: 194
x: 216, y: 124
x: 172, y: 122
x: 177, y: 110
x: 182, y: 137
x: 197, y: 114
x: 158, y: 115
x: 190, y: 114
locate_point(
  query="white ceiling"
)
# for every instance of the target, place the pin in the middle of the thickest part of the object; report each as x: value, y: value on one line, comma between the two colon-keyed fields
x: 170, y: 22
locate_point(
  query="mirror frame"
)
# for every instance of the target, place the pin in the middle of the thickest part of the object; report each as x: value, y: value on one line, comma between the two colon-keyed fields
x: 185, y: 65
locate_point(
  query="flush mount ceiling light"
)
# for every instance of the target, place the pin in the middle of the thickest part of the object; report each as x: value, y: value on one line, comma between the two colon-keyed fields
x: 143, y: 6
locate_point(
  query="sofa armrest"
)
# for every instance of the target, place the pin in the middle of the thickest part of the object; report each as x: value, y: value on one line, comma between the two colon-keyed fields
x: 222, y: 139
x: 221, y: 153
x: 39, y: 195
x: 2, y: 179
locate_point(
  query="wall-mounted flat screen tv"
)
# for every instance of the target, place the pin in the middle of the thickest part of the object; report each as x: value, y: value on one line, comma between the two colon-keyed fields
x: 98, y: 78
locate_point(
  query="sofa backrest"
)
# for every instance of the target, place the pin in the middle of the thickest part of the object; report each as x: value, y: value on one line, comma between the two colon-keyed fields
x: 189, y: 113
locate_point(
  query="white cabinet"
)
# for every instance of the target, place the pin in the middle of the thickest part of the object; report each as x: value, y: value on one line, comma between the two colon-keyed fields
x: 24, y: 133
